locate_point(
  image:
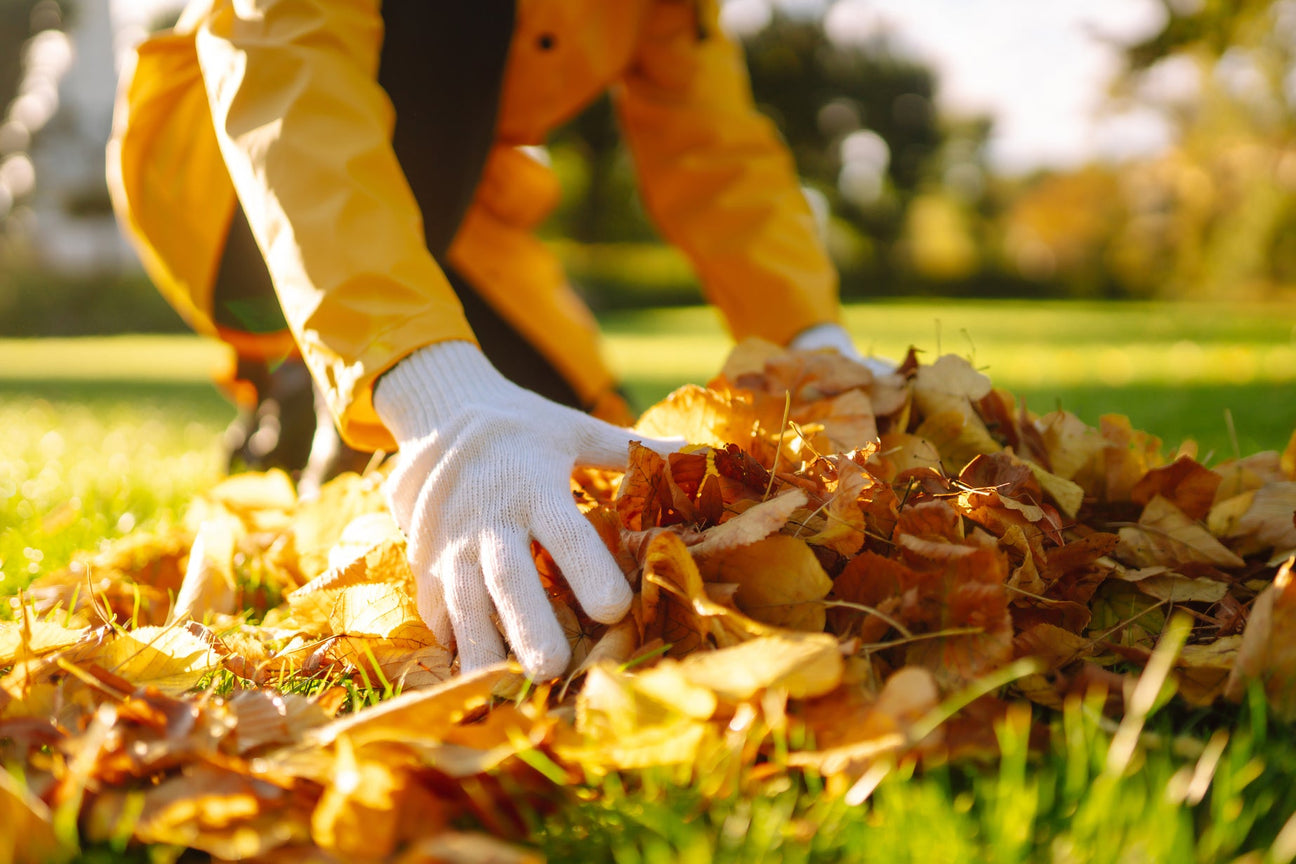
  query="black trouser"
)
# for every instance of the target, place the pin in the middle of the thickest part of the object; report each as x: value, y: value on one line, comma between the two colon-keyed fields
x: 442, y: 66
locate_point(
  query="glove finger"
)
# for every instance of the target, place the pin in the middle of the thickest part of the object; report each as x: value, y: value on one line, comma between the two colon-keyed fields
x: 529, y: 622
x: 586, y: 564
x: 603, y: 445
x: 425, y: 551
x: 432, y: 607
x: 468, y: 605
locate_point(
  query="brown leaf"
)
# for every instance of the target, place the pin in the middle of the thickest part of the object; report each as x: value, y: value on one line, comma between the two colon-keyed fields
x: 854, y: 731
x: 1127, y: 455
x: 676, y: 607
x: 1054, y: 646
x: 1186, y: 483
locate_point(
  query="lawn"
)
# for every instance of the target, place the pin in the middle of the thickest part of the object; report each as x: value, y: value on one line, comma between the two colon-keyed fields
x: 102, y: 437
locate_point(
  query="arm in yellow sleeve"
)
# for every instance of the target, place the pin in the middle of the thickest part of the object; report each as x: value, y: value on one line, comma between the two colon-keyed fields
x: 305, y: 131
x: 718, y: 180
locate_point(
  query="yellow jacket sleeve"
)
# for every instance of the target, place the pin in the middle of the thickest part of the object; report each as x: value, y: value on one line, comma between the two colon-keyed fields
x: 305, y: 132
x: 718, y: 180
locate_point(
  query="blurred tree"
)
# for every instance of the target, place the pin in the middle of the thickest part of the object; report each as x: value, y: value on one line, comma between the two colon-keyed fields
x: 1217, y: 213
x: 15, y: 27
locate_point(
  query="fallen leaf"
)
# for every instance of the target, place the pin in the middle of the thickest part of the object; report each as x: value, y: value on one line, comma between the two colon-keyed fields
x: 209, y: 585
x: 29, y: 836
x: 804, y: 665
x: 1165, y: 536
x: 1267, y: 653
x: 169, y: 658
x: 779, y: 579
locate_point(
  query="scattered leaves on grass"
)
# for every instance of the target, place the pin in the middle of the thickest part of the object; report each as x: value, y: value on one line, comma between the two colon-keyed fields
x: 840, y: 568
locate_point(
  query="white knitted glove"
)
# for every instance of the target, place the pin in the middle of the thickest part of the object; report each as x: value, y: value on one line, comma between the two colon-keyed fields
x: 835, y: 336
x: 484, y: 466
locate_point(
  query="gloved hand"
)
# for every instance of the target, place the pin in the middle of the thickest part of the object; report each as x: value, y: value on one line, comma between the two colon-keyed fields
x: 835, y: 336
x: 484, y: 466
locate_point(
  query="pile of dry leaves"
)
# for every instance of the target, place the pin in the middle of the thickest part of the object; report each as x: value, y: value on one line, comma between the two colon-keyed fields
x: 836, y: 557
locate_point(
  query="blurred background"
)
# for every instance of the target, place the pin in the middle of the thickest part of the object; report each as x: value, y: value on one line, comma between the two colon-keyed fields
x: 1112, y: 149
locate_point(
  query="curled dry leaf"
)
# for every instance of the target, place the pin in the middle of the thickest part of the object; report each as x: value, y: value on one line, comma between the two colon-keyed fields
x: 1267, y: 654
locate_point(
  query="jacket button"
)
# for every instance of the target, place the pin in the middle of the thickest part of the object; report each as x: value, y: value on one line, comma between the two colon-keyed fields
x: 545, y: 41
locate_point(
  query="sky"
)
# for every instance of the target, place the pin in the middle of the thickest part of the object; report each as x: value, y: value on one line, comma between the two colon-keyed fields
x: 1039, y: 67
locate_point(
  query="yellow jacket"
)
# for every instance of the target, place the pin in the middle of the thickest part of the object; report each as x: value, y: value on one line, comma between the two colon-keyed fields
x: 240, y: 95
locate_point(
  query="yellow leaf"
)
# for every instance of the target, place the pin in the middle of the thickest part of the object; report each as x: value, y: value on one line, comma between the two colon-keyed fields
x: 1067, y: 494
x: 904, y: 452
x: 699, y: 416
x: 1174, y: 588
x: 949, y: 384
x: 1202, y: 669
x: 1069, y: 443
x: 358, y: 815
x: 215, y: 809
x: 421, y: 715
x: 385, y: 561
x: 629, y: 721
x: 779, y: 579
x: 1164, y: 535
x: 958, y: 437
x: 208, y: 585
x: 1270, y: 521
x: 617, y: 644
x: 169, y: 658
x: 1268, y: 653
x: 28, y: 836
x: 361, y: 534
x: 263, y: 501
x: 349, y: 511
x: 266, y: 717
x: 804, y: 665
x: 753, y: 524
x: 17, y: 641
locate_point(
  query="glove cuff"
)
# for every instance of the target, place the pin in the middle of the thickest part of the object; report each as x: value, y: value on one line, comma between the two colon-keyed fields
x: 423, y: 391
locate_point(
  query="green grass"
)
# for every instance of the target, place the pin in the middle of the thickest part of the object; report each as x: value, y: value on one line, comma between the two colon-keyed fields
x: 1058, y: 805
x: 99, y: 437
